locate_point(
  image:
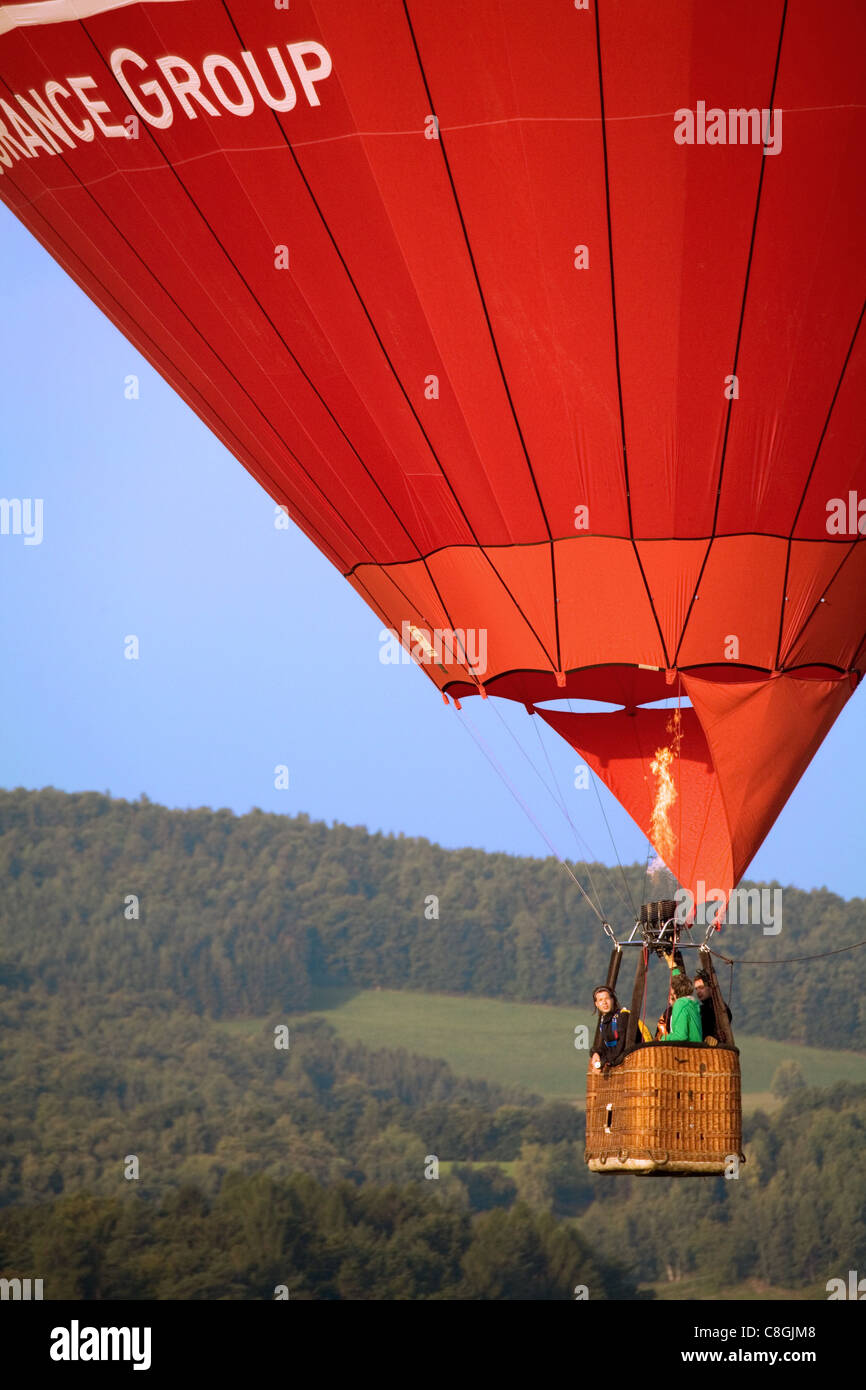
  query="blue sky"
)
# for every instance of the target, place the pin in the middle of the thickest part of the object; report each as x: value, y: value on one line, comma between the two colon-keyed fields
x: 254, y: 651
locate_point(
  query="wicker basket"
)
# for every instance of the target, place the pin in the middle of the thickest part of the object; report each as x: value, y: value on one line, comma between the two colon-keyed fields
x: 667, y: 1108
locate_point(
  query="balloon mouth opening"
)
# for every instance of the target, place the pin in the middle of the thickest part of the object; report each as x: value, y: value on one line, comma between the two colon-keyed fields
x: 619, y: 686
x: 579, y: 705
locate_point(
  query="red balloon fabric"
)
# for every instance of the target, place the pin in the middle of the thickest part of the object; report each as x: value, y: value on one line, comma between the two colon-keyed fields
x: 740, y: 750
x: 543, y: 321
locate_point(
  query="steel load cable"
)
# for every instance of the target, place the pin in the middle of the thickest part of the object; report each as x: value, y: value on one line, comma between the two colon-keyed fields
x: 784, y: 960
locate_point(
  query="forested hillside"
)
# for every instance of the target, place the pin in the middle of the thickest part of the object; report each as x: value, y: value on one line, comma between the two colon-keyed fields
x: 240, y: 915
x: 147, y: 1153
x: 150, y: 1147
x: 83, y: 1089
x: 297, y: 1239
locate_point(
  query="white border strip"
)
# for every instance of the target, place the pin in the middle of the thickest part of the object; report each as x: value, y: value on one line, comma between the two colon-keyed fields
x: 61, y: 11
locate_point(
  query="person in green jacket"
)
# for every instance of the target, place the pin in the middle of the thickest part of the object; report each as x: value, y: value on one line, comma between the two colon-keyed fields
x: 685, y: 1012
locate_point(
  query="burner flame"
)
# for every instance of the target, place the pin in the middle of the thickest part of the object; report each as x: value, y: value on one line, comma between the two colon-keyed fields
x: 662, y: 836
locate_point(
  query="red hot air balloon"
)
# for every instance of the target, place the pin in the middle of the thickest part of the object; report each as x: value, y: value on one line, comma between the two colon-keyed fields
x: 543, y: 321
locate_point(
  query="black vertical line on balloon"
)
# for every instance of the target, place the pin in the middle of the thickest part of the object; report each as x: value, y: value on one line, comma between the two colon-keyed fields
x: 480, y: 548
x: 329, y: 505
x: 122, y: 313
x: 353, y: 576
x: 269, y: 320
x: 314, y: 531
x: 616, y: 336
x: 493, y: 341
x: 375, y: 605
x: 738, y: 341
x: 858, y: 652
x: 815, y: 606
x: 127, y: 174
x: 531, y: 203
x: 801, y: 503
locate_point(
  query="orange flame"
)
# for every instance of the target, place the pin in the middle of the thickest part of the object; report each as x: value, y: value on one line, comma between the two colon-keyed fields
x: 663, y: 836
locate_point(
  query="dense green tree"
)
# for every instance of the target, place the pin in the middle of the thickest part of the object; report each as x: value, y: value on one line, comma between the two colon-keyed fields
x: 787, y: 1077
x: 487, y: 1186
x: 518, y: 1255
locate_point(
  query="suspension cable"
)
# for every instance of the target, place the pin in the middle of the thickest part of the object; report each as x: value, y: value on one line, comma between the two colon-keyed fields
x: 594, y: 781
x: 615, y: 850
x: 467, y: 723
x: 784, y: 960
x: 563, y: 805
x: 646, y: 862
x: 558, y: 801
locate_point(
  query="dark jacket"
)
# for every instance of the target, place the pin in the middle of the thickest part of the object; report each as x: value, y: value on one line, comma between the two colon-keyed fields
x: 708, y: 1018
x: 613, y: 1028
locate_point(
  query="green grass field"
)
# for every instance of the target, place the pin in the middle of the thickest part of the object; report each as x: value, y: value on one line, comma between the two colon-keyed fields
x: 530, y: 1045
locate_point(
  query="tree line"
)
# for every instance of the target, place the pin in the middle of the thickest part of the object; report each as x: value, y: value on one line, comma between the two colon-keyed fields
x: 239, y: 915
x: 263, y: 1239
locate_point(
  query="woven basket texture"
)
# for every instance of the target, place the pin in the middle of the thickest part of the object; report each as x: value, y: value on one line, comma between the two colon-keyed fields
x: 665, y: 1106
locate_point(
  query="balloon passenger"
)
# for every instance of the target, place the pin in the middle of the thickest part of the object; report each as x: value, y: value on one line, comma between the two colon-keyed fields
x: 676, y: 966
x: 613, y: 1026
x: 685, y: 1012
x: 709, y: 1026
